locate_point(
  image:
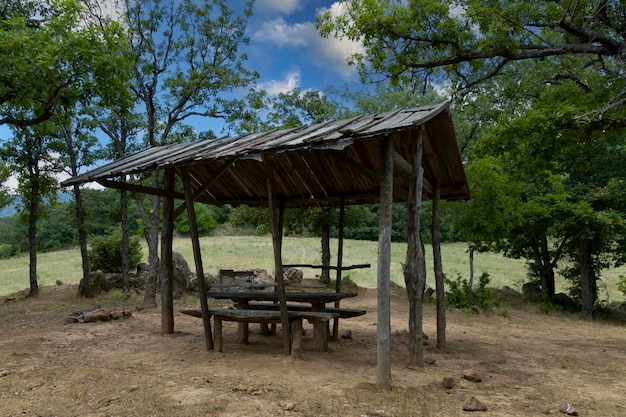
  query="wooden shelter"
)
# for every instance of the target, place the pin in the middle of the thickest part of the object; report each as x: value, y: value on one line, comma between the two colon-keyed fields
x: 363, y: 160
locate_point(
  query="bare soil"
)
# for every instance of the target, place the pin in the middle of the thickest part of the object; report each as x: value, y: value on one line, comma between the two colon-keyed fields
x: 531, y: 363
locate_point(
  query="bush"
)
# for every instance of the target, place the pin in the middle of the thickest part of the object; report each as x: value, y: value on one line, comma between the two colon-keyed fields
x: 458, y: 294
x: 106, y: 253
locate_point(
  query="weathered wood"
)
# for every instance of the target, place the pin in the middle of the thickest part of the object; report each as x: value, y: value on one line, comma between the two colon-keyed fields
x: 277, y: 234
x: 167, y: 265
x: 197, y: 256
x: 344, y: 313
x: 438, y: 266
x: 337, y: 268
x: 414, y: 267
x: 341, y: 226
x: 383, y: 333
x: 296, y: 339
x: 219, y: 340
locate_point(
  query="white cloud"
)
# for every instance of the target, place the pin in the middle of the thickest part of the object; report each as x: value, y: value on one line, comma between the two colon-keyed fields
x: 280, y: 6
x: 275, y: 87
x: 324, y: 53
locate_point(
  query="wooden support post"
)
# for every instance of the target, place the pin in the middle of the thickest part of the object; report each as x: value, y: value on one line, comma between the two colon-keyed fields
x: 296, y: 342
x: 414, y: 265
x: 219, y: 340
x: 342, y: 216
x: 383, y: 334
x: 438, y: 266
x: 167, y: 266
x: 277, y: 235
x: 197, y: 256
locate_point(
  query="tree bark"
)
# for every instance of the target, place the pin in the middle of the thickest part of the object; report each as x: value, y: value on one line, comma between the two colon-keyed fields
x: 471, y: 275
x: 587, y: 279
x: 167, y: 265
x: 33, y: 209
x: 325, y: 277
x: 438, y: 266
x: 82, y: 240
x: 152, y: 238
x: 415, y: 266
x: 383, y: 345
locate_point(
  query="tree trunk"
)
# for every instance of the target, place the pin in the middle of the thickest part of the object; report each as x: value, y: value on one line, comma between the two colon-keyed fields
x: 383, y: 331
x: 33, y: 209
x: 82, y: 240
x: 152, y: 238
x: 586, y: 278
x: 546, y: 271
x: 438, y: 266
x: 471, y: 276
x: 415, y: 266
x: 167, y: 265
x: 325, y: 277
x: 125, y: 238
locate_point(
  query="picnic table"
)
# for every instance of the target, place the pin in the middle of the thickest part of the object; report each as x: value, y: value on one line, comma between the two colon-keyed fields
x: 317, y: 300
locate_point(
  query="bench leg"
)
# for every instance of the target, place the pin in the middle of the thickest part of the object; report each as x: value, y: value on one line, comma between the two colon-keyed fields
x: 218, y: 333
x: 296, y: 338
x: 265, y: 329
x: 319, y: 337
x: 243, y: 332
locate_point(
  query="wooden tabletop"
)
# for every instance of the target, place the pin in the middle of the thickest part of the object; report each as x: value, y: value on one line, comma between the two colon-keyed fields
x: 296, y: 296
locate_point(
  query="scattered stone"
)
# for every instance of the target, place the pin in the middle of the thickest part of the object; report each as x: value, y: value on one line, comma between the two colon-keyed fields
x: 4, y: 373
x: 568, y: 409
x: 9, y: 300
x: 287, y: 406
x: 429, y: 292
x: 293, y: 276
x: 472, y: 375
x: 59, y: 282
x: 509, y: 290
x: 346, y: 334
x: 533, y: 291
x: 474, y: 404
x: 449, y: 382
x: 430, y: 361
x: 476, y: 310
x: 563, y: 300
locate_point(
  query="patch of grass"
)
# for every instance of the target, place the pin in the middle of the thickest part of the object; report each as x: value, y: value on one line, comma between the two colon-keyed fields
x: 245, y: 252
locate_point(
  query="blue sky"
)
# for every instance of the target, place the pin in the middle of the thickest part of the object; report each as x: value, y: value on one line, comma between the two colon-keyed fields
x: 287, y: 51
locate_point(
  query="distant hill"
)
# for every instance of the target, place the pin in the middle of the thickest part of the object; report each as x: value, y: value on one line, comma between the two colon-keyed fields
x: 11, y: 209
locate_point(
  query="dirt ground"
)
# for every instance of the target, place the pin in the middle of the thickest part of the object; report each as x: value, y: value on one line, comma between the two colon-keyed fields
x: 530, y: 362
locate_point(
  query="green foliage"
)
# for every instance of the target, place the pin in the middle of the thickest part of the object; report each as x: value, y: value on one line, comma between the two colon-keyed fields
x: 206, y: 220
x: 105, y: 253
x: 459, y: 293
x: 621, y: 284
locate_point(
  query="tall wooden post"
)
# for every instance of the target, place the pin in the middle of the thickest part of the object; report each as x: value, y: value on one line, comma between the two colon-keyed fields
x: 277, y: 235
x: 167, y: 265
x: 383, y: 337
x: 197, y: 256
x: 415, y: 264
x: 342, y: 215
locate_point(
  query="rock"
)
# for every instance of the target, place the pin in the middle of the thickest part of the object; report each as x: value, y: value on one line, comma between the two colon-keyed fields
x: 564, y: 301
x: 429, y: 292
x: 476, y: 310
x: 59, y: 282
x: 532, y: 291
x: 568, y: 409
x: 346, y: 334
x: 509, y: 290
x: 472, y: 375
x: 183, y: 277
x: 430, y: 361
x: 293, y: 276
x: 449, y: 382
x: 474, y: 404
x: 4, y: 373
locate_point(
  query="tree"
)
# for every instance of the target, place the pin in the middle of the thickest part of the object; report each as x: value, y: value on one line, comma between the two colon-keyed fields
x: 186, y: 60
x: 31, y: 155
x: 469, y: 41
x: 72, y: 56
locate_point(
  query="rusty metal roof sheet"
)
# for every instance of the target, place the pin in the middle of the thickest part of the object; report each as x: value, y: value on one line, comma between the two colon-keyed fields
x: 313, y: 165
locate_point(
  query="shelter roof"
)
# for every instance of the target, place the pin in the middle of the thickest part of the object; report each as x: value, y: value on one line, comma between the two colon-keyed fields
x: 315, y: 165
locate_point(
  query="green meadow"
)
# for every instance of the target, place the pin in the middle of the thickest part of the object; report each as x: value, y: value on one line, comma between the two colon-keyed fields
x: 245, y: 252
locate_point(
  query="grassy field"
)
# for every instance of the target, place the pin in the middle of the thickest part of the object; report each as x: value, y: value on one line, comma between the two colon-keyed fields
x: 245, y: 252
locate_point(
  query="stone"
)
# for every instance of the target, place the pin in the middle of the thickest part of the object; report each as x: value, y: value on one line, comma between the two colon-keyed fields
x: 532, y: 291
x: 430, y: 361
x: 472, y: 375
x: 346, y: 334
x: 449, y: 382
x: 429, y: 292
x: 474, y: 404
x: 568, y: 409
x: 293, y: 276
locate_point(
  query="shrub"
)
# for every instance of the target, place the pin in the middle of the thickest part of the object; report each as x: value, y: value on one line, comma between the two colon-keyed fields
x: 458, y: 294
x: 106, y: 253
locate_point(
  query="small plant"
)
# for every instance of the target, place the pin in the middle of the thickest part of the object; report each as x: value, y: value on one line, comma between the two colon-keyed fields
x: 106, y: 253
x: 460, y: 295
x: 621, y: 284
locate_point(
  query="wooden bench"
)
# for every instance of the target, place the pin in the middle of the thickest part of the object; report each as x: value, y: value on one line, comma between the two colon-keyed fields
x: 267, y: 317
x: 343, y: 313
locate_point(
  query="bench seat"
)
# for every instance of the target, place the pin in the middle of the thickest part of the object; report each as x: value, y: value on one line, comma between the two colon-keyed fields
x: 344, y: 313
